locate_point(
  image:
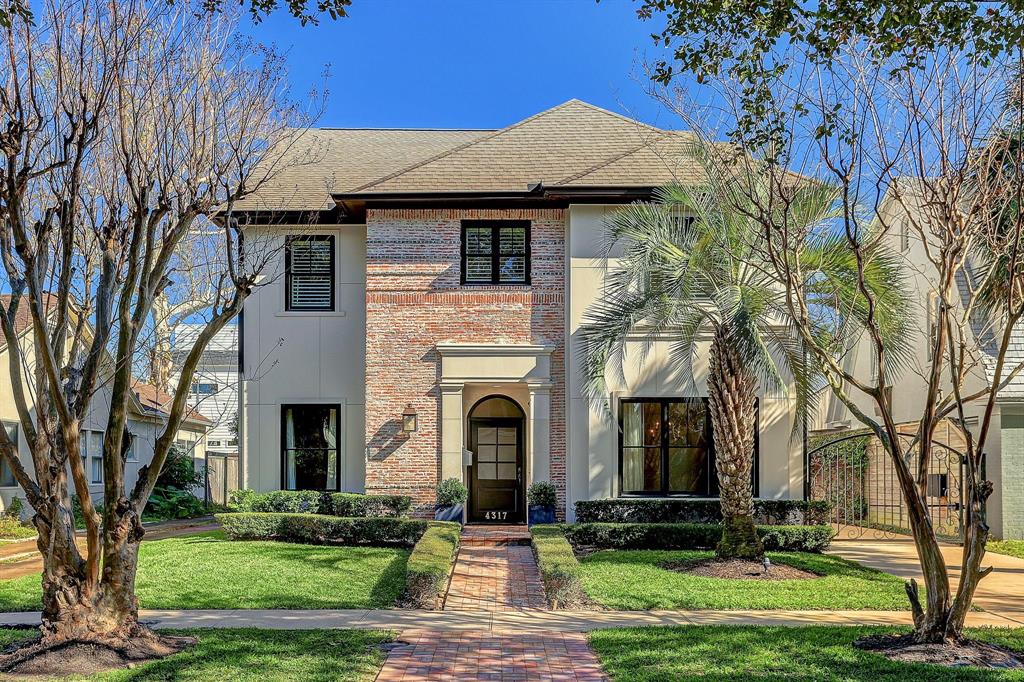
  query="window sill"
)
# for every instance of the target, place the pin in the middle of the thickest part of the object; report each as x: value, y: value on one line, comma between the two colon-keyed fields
x: 310, y: 313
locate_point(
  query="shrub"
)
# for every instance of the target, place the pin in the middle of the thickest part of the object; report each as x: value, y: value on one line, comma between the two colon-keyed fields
x: 354, y: 504
x: 430, y: 564
x: 289, y: 501
x: 766, y: 512
x: 558, y: 566
x: 542, y: 494
x: 170, y: 503
x: 692, y: 536
x: 15, y: 509
x: 450, y: 492
x: 319, y: 529
x: 242, y: 500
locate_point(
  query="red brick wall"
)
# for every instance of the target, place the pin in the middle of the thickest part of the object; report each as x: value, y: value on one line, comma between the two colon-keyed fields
x: 414, y: 301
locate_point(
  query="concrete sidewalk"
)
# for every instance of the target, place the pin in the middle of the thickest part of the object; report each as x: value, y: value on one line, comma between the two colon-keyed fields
x: 1000, y: 593
x: 523, y: 621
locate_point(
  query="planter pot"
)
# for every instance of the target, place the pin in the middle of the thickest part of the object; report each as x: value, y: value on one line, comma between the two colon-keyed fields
x: 540, y: 514
x: 453, y: 513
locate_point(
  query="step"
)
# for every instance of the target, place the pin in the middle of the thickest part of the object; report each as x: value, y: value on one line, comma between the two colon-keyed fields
x: 495, y: 535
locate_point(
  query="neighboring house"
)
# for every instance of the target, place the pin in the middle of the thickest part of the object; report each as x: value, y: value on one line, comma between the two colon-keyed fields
x: 441, y: 277
x: 214, y: 394
x: 1004, y: 449
x: 147, y: 415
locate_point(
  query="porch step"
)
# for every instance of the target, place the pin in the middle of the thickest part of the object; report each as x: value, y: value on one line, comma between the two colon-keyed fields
x: 496, y: 536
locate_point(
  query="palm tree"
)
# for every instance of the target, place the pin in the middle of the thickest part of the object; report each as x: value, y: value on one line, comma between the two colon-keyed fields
x: 692, y: 267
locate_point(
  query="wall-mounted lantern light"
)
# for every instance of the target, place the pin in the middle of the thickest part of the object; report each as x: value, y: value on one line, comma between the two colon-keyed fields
x: 409, y: 419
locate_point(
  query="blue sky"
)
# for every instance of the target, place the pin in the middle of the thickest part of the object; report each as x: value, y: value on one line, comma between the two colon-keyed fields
x: 469, y: 63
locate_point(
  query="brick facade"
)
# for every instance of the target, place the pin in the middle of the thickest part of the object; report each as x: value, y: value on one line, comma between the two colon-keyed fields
x: 414, y: 301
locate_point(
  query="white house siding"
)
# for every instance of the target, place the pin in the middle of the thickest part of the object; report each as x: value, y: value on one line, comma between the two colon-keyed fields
x: 592, y: 429
x: 304, y: 357
x: 219, y: 366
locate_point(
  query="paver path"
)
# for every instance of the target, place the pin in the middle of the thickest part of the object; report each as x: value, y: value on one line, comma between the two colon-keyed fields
x: 1000, y: 593
x: 495, y: 573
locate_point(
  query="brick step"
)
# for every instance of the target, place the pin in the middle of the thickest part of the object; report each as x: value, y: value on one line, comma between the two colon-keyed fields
x: 495, y: 536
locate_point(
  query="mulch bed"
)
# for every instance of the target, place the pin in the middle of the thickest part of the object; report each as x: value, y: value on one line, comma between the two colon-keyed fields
x: 968, y: 653
x: 88, y: 659
x: 738, y: 569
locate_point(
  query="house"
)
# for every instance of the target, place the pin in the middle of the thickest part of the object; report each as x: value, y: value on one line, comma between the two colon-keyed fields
x: 147, y: 415
x: 421, y: 321
x: 1004, y: 448
x: 214, y: 394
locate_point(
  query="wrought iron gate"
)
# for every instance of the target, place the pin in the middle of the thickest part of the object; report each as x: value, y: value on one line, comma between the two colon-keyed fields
x: 855, y: 475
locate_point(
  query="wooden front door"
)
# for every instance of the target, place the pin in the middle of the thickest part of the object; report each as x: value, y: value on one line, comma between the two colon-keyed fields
x: 496, y: 475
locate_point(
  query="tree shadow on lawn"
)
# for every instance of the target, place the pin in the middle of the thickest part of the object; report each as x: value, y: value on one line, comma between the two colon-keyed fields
x: 795, y: 654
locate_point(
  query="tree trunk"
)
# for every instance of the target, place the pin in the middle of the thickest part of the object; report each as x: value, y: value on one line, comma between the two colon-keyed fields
x: 732, y: 401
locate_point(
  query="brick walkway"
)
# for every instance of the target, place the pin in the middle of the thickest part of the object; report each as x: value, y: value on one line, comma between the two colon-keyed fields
x: 495, y: 571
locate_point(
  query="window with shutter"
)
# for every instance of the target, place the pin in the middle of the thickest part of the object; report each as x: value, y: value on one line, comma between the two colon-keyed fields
x: 495, y: 252
x: 309, y: 273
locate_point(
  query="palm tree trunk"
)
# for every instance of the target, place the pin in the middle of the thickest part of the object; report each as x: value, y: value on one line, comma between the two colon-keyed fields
x: 732, y: 399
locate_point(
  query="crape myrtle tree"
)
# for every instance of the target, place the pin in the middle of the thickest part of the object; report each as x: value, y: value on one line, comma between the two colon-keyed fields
x: 692, y: 271
x: 927, y: 155
x: 128, y: 130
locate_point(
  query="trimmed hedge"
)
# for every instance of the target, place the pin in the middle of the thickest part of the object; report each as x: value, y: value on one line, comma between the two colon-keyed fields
x: 354, y: 504
x: 558, y: 566
x: 766, y: 512
x: 318, y: 529
x: 430, y: 564
x: 692, y: 536
x: 349, y: 505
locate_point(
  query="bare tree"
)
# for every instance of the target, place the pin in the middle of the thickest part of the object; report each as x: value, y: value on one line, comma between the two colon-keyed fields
x: 930, y: 153
x: 126, y: 129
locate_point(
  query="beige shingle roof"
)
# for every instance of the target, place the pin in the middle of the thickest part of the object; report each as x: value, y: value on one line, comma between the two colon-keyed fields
x: 320, y: 161
x: 574, y: 142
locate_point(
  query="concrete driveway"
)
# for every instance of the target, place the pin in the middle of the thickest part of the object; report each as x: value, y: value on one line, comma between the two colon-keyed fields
x: 1001, y: 593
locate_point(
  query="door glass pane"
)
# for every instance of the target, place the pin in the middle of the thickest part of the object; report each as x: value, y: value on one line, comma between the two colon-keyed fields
x: 507, y: 471
x: 507, y: 435
x: 487, y: 434
x: 487, y: 471
x: 486, y: 453
x: 506, y: 453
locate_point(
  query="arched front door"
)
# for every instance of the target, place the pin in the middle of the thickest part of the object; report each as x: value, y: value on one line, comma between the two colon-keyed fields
x: 496, y: 492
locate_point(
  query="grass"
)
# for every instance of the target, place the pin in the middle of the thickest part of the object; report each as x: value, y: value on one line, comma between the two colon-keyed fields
x: 13, y: 529
x: 205, y: 571
x: 249, y: 655
x: 748, y: 653
x: 1008, y: 547
x: 634, y: 580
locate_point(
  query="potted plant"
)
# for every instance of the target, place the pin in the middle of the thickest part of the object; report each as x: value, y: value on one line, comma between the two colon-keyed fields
x: 451, y: 500
x: 542, y: 500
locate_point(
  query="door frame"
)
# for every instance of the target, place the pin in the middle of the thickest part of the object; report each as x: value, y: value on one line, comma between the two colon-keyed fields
x: 520, y: 424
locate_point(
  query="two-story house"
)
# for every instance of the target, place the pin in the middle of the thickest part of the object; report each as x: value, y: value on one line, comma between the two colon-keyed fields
x: 420, y: 321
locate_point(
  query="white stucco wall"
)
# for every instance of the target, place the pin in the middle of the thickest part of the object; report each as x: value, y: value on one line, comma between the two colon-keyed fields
x: 592, y: 429
x: 304, y: 357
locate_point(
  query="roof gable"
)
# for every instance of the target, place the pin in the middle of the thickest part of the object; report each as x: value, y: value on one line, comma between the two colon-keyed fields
x: 565, y: 142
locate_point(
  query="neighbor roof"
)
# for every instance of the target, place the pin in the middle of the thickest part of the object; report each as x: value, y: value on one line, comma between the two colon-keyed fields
x: 572, y: 145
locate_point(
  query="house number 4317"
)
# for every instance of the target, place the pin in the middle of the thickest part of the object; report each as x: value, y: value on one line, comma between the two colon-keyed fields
x: 495, y: 515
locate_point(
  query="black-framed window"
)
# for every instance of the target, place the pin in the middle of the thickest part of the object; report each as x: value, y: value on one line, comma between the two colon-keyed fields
x: 7, y: 479
x: 309, y: 447
x: 309, y: 272
x: 495, y: 252
x: 666, y: 448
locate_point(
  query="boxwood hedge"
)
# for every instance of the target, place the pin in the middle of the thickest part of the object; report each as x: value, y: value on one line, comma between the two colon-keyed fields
x: 430, y: 564
x: 766, y: 512
x: 319, y: 529
x: 558, y: 567
x: 692, y: 536
x: 316, y: 502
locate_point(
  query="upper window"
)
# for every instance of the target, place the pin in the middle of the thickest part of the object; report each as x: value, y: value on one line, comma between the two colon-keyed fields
x: 309, y: 272
x: 495, y: 252
x: 7, y: 479
x: 204, y: 388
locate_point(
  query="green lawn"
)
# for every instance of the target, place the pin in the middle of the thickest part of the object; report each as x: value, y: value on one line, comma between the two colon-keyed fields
x: 1008, y: 547
x: 634, y: 580
x: 747, y: 654
x: 258, y: 656
x: 205, y: 571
